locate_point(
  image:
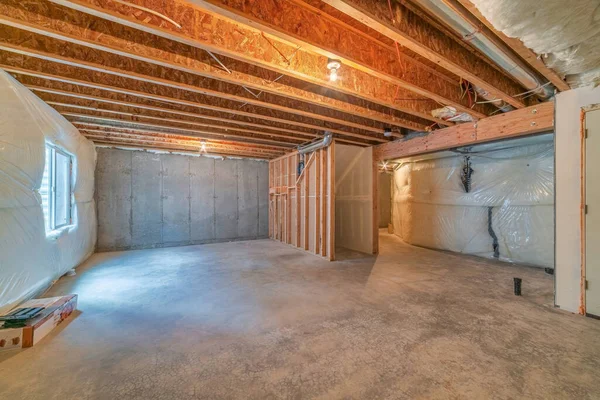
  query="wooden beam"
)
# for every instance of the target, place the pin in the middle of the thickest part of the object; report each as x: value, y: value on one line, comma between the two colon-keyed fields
x: 150, y: 136
x: 132, y: 119
x: 298, y: 206
x: 323, y: 205
x: 526, y: 121
x: 112, y: 122
x: 535, y: 61
x: 101, y: 73
x: 67, y: 108
x: 411, y: 31
x: 299, y: 23
x: 317, y: 217
x: 165, y: 148
x: 183, y: 98
x: 222, y: 36
x: 331, y: 198
x: 70, y: 26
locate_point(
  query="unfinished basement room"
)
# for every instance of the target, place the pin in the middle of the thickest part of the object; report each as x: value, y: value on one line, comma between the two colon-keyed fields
x: 299, y: 199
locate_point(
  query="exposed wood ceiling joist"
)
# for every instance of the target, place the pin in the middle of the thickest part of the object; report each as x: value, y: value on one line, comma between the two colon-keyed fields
x: 299, y: 23
x: 222, y: 36
x: 95, y: 72
x: 162, y: 52
x: 411, y: 31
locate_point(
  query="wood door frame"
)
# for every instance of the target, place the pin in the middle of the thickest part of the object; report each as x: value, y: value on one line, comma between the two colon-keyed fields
x: 582, y: 136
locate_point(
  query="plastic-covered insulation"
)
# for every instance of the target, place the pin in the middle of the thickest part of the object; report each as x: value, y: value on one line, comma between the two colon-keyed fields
x: 30, y: 259
x: 512, y: 192
x: 565, y: 33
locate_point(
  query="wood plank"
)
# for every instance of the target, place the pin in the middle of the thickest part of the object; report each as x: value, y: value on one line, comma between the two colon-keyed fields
x: 152, y: 82
x: 44, y: 18
x: 298, y: 207
x: 306, y: 183
x: 299, y: 23
x: 317, y: 217
x: 331, y: 196
x: 413, y: 32
x: 526, y: 121
x: 323, y: 204
x: 375, y: 193
x: 222, y: 36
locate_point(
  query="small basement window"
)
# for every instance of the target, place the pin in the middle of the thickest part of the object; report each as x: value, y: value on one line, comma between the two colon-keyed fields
x: 56, y: 188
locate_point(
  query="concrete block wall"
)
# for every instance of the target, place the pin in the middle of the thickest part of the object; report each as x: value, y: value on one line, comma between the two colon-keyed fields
x: 147, y: 200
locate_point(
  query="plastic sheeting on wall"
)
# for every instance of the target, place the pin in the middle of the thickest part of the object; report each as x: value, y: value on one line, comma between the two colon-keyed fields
x: 511, y: 197
x: 30, y: 260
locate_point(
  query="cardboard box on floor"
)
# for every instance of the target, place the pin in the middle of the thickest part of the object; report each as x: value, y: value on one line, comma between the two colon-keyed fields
x: 56, y: 310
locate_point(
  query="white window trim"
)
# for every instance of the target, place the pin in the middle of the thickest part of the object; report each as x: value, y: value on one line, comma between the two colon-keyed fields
x: 53, y: 228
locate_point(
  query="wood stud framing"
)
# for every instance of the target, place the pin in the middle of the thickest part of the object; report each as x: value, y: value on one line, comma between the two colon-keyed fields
x: 308, y: 218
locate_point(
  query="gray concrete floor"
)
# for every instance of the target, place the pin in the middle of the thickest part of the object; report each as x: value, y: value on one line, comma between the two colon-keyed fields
x: 261, y: 320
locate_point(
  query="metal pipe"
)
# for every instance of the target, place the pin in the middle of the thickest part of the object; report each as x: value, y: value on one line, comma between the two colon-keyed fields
x: 459, y: 19
x: 308, y: 148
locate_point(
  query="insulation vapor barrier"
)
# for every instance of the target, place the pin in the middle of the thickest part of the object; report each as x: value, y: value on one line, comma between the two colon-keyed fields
x: 491, y: 200
x: 30, y: 258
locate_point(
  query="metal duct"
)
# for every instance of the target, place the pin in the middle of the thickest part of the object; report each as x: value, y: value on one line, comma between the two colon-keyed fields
x: 308, y: 148
x: 446, y: 10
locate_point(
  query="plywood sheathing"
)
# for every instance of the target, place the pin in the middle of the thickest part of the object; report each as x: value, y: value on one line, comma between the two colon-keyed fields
x: 306, y: 26
x: 71, y: 26
x: 413, y: 32
x: 221, y: 36
x: 122, y: 74
x: 525, y: 121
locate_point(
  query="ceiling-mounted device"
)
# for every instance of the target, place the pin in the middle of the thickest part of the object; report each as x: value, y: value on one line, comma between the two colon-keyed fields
x: 203, y: 146
x: 387, y: 132
x: 333, y: 66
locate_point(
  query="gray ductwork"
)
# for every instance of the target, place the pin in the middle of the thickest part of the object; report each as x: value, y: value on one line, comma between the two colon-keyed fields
x: 320, y: 144
x: 452, y: 14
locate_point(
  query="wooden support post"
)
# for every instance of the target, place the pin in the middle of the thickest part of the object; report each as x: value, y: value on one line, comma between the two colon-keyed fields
x: 306, y: 182
x: 318, y: 201
x: 288, y: 223
x: 375, y: 174
x: 323, y: 204
x: 298, y: 207
x: 331, y: 196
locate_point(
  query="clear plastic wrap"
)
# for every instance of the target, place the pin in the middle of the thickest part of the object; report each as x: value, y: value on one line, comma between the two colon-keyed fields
x: 511, y: 197
x: 29, y: 258
x: 565, y: 33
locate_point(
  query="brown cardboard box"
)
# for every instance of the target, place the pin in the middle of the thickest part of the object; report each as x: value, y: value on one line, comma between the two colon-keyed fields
x: 56, y: 310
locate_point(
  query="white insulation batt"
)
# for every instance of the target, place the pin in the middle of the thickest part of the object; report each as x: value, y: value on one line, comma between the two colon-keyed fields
x: 30, y: 259
x: 512, y: 181
x: 566, y: 33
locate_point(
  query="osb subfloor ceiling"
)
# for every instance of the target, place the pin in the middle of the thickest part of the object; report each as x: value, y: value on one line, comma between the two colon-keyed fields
x: 249, y: 78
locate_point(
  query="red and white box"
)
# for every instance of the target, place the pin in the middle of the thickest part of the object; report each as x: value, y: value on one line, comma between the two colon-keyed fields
x: 56, y: 310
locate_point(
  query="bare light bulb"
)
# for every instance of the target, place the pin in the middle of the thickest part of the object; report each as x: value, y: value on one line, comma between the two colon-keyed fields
x: 333, y: 75
x: 203, y: 147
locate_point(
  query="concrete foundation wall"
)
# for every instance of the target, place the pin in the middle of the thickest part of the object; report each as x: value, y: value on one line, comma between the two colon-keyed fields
x: 149, y: 200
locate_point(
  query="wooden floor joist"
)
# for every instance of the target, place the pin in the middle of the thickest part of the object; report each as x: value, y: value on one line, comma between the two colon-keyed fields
x: 411, y: 31
x: 181, y: 99
x: 62, y: 66
x: 301, y: 24
x: 243, y: 43
x: 29, y: 17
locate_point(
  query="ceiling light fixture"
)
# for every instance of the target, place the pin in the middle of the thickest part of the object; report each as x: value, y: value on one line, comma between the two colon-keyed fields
x: 203, y: 146
x: 333, y: 66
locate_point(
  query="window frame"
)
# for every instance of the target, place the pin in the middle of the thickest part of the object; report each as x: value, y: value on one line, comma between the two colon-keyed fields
x: 54, y: 150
